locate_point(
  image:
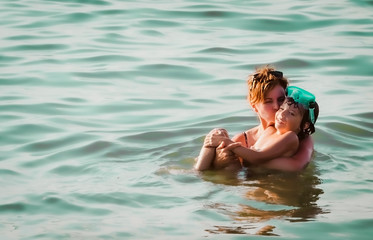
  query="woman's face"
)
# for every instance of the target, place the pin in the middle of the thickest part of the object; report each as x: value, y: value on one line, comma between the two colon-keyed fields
x: 289, y: 118
x: 272, y: 102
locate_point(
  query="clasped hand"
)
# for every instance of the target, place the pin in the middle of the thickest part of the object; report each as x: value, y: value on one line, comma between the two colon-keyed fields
x: 216, y: 137
x: 219, y: 138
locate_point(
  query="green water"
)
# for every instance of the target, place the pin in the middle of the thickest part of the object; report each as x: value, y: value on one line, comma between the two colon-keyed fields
x: 104, y: 105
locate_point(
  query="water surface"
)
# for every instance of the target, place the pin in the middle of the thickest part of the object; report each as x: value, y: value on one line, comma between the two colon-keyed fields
x: 104, y: 105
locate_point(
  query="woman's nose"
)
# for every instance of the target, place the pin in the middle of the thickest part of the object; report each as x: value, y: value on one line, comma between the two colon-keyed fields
x: 276, y: 106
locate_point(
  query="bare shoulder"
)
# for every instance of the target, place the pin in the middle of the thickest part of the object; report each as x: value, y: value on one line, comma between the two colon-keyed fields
x: 250, y: 138
x: 253, y: 131
x: 239, y: 138
x: 290, y: 137
x: 289, y: 142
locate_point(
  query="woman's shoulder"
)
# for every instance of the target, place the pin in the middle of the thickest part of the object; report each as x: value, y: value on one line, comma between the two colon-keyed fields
x: 252, y: 131
x: 248, y: 137
x: 240, y: 137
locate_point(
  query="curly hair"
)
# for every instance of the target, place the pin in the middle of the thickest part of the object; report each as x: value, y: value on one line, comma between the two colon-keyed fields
x: 263, y: 81
x: 304, y: 132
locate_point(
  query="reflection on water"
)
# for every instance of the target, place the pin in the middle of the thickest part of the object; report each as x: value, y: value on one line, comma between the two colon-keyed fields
x: 270, y: 195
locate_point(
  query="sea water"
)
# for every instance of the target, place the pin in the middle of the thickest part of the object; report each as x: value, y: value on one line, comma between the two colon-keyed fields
x: 104, y: 105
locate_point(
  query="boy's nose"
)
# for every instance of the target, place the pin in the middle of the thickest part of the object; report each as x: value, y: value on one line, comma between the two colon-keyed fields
x: 282, y: 114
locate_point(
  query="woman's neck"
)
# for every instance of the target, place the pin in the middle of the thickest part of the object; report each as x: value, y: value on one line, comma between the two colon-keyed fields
x: 264, y: 124
x: 261, y: 128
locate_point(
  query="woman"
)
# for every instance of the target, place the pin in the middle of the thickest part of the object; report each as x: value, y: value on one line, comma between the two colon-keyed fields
x: 266, y: 94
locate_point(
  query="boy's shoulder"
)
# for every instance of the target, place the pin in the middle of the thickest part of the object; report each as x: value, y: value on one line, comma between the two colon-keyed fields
x: 291, y: 137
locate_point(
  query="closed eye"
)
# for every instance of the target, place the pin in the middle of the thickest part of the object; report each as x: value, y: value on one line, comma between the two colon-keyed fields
x: 281, y: 99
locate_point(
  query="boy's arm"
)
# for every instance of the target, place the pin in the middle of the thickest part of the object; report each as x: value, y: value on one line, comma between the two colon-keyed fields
x: 226, y: 154
x: 281, y: 146
x: 295, y: 163
x: 207, y: 154
x: 205, y: 159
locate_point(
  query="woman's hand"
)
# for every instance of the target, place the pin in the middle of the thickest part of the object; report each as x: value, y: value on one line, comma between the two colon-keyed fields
x: 224, y: 153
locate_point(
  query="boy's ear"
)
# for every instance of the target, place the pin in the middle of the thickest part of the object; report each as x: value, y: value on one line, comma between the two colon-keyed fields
x: 306, y: 125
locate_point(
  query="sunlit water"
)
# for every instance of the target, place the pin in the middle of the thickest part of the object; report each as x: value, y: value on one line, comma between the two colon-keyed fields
x: 104, y: 105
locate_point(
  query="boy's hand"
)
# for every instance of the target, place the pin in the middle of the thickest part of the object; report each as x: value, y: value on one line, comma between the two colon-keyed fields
x: 215, y: 137
x: 214, y: 140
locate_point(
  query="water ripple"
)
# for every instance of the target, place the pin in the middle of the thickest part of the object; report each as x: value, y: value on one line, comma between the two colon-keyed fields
x: 50, y: 205
x: 37, y: 47
x: 104, y: 106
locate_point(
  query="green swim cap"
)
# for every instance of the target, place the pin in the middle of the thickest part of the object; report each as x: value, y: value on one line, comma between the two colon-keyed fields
x: 303, y: 97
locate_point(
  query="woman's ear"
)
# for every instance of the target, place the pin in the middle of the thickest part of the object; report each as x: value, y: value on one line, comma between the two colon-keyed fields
x: 253, y: 106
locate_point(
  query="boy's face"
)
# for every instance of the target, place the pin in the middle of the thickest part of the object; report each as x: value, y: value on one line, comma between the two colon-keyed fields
x: 289, y: 117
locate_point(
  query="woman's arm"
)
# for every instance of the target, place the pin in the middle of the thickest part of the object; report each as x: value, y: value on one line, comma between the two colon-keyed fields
x: 295, y: 163
x: 282, y: 145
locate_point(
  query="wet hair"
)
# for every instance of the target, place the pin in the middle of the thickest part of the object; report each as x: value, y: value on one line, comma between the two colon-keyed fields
x: 262, y: 82
x: 304, y: 132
